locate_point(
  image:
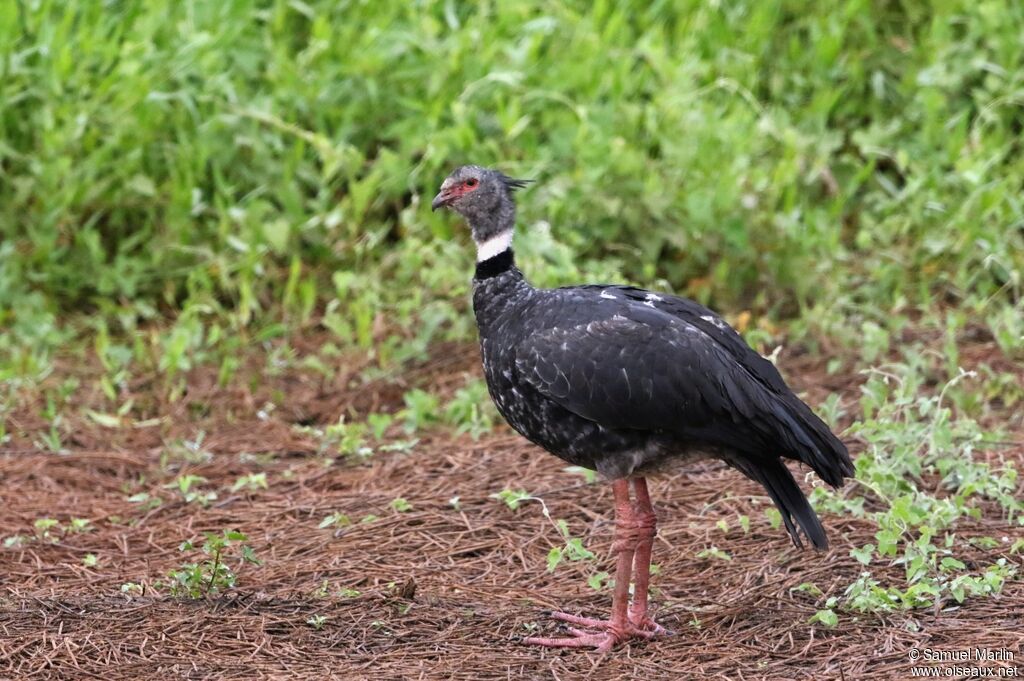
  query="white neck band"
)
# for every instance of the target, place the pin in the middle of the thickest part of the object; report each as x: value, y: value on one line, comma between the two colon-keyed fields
x: 497, y: 244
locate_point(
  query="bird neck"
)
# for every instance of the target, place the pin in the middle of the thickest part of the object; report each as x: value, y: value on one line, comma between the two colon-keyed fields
x: 491, y: 225
x: 494, y: 245
x: 492, y: 230
x: 499, y: 289
x: 496, y: 264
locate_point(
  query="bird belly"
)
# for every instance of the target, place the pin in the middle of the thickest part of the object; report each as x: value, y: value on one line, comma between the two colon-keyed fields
x: 614, y: 453
x: 570, y: 437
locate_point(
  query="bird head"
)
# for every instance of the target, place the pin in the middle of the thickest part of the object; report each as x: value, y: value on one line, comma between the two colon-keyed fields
x: 483, y: 196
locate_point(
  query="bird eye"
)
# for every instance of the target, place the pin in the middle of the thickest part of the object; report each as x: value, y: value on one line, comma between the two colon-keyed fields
x: 471, y: 182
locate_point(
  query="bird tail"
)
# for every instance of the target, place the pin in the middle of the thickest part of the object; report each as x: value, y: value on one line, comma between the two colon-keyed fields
x: 773, y: 475
x: 812, y: 442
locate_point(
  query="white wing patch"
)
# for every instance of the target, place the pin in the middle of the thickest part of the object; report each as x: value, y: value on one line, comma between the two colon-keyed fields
x: 716, y: 321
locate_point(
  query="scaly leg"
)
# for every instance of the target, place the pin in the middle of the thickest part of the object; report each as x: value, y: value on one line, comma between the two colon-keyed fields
x: 618, y: 628
x: 646, y: 524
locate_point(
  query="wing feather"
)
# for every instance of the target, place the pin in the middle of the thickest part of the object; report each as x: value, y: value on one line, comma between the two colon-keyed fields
x: 647, y: 370
x: 806, y: 437
x: 641, y: 367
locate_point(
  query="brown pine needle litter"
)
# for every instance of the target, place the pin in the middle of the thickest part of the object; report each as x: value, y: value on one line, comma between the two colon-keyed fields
x: 440, y: 590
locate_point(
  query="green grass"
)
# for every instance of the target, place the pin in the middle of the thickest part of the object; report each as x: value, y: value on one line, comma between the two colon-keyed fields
x: 220, y: 161
x: 180, y: 182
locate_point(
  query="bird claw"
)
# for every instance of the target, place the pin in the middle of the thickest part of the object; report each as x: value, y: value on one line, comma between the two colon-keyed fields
x: 651, y: 628
x: 607, y: 636
x: 591, y: 622
x: 603, y: 641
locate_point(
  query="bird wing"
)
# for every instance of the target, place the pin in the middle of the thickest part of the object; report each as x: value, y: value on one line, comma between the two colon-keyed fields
x: 638, y: 367
x: 707, y: 322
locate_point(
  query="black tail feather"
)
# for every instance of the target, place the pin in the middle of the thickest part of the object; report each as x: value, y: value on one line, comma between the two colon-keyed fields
x: 773, y: 475
x: 815, y: 444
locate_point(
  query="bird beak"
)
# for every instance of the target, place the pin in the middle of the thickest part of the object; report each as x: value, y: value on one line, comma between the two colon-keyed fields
x: 440, y: 200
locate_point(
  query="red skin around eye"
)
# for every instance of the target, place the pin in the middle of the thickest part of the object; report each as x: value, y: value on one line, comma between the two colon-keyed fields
x: 463, y: 188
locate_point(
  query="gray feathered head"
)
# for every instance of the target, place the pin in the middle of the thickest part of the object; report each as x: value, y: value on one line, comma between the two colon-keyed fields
x: 483, y: 196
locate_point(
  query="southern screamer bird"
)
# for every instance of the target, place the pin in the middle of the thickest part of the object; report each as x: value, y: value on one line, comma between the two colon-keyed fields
x: 628, y: 383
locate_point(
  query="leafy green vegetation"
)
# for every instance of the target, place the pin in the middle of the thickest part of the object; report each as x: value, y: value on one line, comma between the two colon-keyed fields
x: 317, y: 621
x: 244, y: 164
x: 915, y: 441
x: 49, y: 530
x: 194, y: 580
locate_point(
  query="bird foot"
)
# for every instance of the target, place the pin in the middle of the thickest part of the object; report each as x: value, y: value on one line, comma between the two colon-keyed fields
x: 642, y: 627
x: 602, y: 641
x: 608, y: 634
x: 649, y: 626
x: 646, y: 623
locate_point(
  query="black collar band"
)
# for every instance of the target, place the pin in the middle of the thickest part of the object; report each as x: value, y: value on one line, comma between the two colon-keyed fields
x: 492, y: 267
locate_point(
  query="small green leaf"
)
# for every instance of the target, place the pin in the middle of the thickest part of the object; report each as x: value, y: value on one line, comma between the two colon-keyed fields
x: 15, y: 540
x: 253, y: 481
x: 808, y: 588
x: 563, y: 527
x: 316, y: 621
x: 576, y: 551
x: 141, y: 184
x: 105, y: 420
x: 379, y: 424
x: 958, y: 591
x: 335, y: 520
x: 887, y: 542
x: 249, y: 555
x: 597, y: 580
x: 554, y: 558
x: 512, y: 497
x: 863, y: 554
x: 277, y: 233
x: 827, y: 618
x: 984, y: 542
x: 401, y: 505
x: 589, y: 476
x: 714, y: 552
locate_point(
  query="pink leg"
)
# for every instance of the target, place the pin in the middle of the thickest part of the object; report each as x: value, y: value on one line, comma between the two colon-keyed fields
x: 618, y: 628
x: 646, y: 525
